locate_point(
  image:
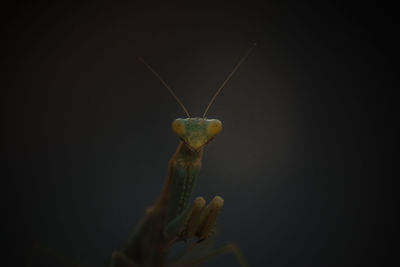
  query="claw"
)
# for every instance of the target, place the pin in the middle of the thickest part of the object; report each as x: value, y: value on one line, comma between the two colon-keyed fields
x: 194, y: 219
x: 209, y: 217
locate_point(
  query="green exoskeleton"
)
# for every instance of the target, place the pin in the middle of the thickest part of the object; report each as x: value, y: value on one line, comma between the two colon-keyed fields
x: 173, y: 218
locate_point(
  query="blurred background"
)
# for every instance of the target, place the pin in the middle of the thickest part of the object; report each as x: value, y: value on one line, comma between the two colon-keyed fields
x: 304, y: 162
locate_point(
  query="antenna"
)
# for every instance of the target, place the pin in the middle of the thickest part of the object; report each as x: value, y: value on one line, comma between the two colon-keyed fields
x: 229, y: 77
x: 166, y: 85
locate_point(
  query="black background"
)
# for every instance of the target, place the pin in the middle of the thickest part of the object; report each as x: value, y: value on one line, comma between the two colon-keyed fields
x: 305, y: 161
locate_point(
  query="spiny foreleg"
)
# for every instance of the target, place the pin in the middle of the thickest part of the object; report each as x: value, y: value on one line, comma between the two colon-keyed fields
x: 197, y: 220
x: 201, y: 222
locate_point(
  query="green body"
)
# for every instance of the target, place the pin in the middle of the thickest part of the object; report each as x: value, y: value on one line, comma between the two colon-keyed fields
x: 165, y: 222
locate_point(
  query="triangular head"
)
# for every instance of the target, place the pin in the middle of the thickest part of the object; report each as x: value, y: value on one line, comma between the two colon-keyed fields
x: 196, y: 132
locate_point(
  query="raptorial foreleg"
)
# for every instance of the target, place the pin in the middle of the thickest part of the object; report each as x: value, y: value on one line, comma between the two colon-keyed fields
x: 201, y: 222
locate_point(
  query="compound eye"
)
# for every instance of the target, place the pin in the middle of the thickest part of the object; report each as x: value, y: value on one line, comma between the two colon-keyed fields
x: 214, y: 128
x: 178, y: 126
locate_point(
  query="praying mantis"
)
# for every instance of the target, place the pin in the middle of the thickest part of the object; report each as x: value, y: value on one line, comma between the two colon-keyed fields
x: 172, y: 218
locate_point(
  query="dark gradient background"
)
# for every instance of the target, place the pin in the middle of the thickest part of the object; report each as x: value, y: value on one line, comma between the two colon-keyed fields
x: 304, y: 161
